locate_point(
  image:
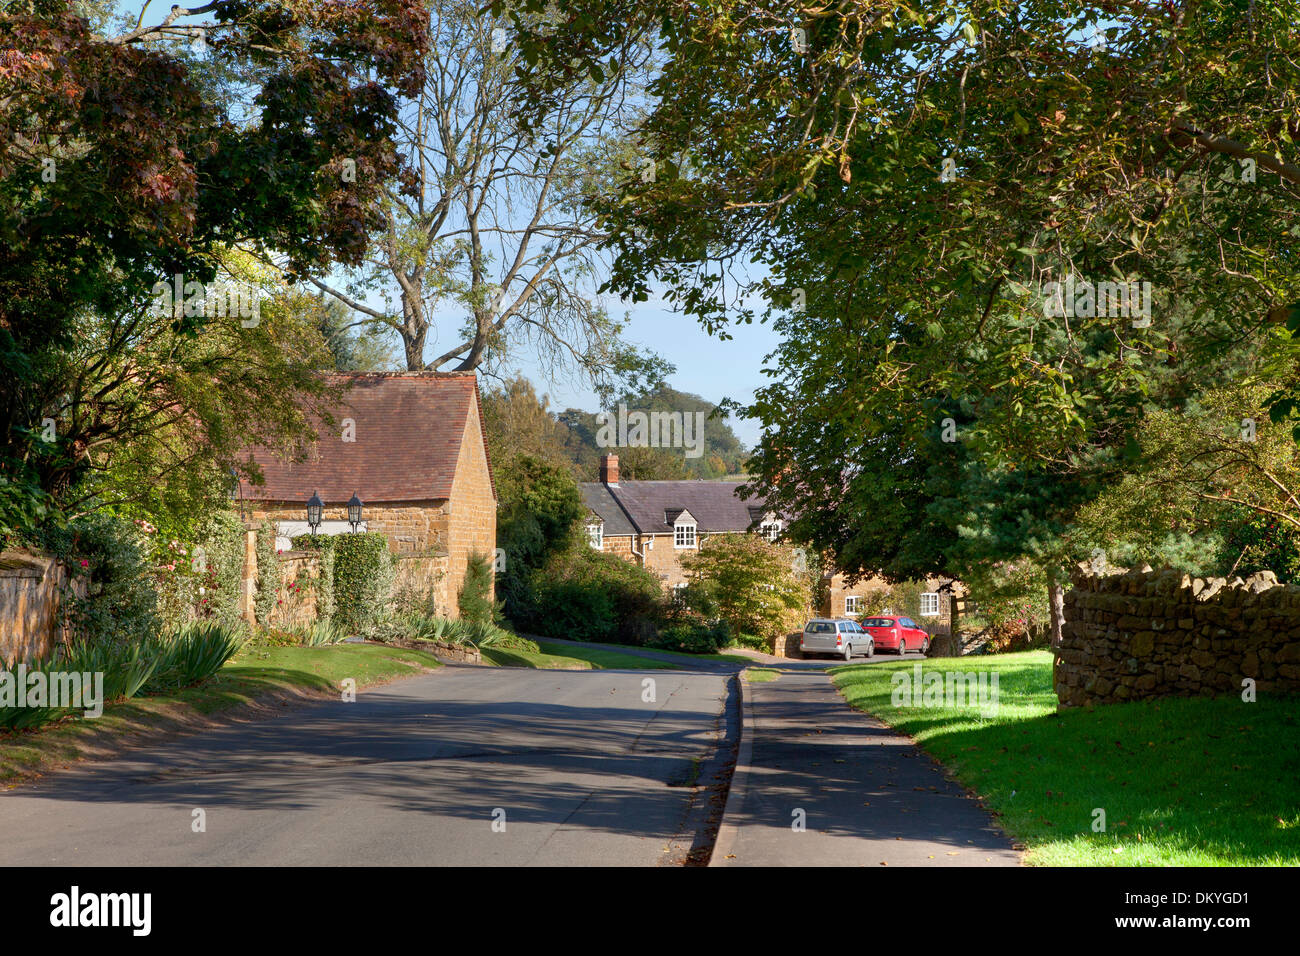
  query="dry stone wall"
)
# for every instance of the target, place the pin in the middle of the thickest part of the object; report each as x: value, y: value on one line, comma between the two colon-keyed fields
x: 1143, y: 633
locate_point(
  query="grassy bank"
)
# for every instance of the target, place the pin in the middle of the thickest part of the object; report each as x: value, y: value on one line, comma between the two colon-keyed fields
x: 554, y: 656
x: 1182, y: 781
x: 255, y: 672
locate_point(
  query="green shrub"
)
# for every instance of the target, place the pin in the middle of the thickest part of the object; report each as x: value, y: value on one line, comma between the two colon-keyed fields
x: 202, y: 580
x: 363, y: 579
x: 755, y: 642
x: 108, y: 554
x: 322, y: 633
x: 475, y: 596
x: 192, y: 654
x: 324, y: 545
x: 586, y: 595
x: 692, y: 637
x: 268, y: 574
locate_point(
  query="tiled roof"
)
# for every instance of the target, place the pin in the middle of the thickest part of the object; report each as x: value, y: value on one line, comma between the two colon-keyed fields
x: 713, y: 504
x: 409, y: 427
x: 597, y: 497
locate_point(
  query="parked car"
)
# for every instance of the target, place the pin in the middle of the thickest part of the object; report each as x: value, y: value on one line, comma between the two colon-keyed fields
x: 844, y: 638
x: 899, y: 634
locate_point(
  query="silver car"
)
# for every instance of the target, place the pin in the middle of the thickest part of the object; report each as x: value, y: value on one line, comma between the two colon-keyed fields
x: 843, y: 638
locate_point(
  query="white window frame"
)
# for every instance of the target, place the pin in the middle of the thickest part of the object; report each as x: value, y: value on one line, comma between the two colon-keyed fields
x: 771, y: 529
x: 684, y: 535
x: 596, y: 535
x: 933, y: 605
x: 856, y: 608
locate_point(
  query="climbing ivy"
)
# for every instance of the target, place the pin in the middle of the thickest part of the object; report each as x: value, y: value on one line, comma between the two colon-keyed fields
x: 268, y: 574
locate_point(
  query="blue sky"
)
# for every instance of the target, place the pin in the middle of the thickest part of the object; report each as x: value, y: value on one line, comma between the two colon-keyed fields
x: 707, y: 366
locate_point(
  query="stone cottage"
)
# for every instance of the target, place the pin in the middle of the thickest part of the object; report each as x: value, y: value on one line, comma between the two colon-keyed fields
x: 656, y: 523
x: 412, y: 447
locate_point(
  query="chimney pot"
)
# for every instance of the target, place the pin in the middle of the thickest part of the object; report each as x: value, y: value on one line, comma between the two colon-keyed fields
x: 609, y: 469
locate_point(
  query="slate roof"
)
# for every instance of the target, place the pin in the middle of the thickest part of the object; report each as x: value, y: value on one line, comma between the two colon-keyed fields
x: 409, y: 431
x: 645, y: 507
x: 597, y: 497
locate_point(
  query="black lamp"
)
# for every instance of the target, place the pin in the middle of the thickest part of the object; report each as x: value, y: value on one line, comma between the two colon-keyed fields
x: 236, y: 490
x: 354, y: 512
x: 314, y: 506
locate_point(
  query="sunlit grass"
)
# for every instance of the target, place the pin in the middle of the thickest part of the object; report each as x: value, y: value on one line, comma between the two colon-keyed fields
x: 1182, y: 781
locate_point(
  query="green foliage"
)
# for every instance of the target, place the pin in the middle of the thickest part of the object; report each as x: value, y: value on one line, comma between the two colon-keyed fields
x: 268, y: 574
x: 191, y: 654
x: 363, y: 579
x: 323, y: 632
x: 324, y: 544
x: 749, y: 582
x: 475, y: 597
x: 417, y: 626
x: 538, y: 514
x: 154, y: 665
x: 200, y: 580
x: 920, y: 296
x: 586, y: 595
x: 1258, y: 542
x: 691, y: 637
x: 106, y: 555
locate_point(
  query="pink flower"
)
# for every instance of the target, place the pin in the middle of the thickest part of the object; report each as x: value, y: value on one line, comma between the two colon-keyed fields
x: 85, y: 563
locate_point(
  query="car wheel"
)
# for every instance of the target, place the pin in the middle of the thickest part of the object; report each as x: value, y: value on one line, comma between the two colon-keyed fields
x: 848, y: 653
x: 925, y: 648
x: 871, y: 649
x: 902, y: 647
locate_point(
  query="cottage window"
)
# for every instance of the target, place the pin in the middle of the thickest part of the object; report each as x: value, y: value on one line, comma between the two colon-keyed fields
x: 771, y: 530
x: 852, y: 605
x: 930, y: 604
x: 596, y: 535
x: 684, y: 534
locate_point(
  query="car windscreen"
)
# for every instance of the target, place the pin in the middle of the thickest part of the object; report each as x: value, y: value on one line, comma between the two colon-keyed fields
x: 819, y: 627
x: 878, y: 622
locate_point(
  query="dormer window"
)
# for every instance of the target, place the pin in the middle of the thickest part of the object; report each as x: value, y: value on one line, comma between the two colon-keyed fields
x: 596, y: 534
x: 684, y: 530
x: 771, y: 527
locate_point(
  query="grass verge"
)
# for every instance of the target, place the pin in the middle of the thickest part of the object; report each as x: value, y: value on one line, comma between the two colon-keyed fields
x: 1182, y: 781
x: 256, y: 672
x: 554, y: 656
x: 759, y: 675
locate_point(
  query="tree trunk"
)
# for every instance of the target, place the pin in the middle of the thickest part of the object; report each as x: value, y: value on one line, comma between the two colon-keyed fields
x: 1056, y: 606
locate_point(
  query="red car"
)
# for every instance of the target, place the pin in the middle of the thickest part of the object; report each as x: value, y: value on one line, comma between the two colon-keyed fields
x: 894, y: 633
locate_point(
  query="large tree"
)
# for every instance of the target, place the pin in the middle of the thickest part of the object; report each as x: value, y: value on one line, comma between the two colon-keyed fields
x: 911, y: 178
x: 486, y: 248
x: 127, y: 158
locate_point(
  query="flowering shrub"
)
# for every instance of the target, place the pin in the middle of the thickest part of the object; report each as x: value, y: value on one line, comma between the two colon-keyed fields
x: 199, y: 581
x: 112, y: 596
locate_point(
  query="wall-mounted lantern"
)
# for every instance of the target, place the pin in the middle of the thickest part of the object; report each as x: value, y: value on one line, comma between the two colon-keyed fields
x: 314, y: 507
x: 354, y: 512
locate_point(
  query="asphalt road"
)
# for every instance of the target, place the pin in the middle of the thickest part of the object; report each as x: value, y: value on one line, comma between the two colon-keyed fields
x: 572, y: 767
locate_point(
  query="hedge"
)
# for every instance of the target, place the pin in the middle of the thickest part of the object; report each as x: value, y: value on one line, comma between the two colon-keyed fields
x: 363, y: 578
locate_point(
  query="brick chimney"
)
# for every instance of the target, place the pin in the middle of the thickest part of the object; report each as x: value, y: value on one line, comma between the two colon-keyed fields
x: 609, y: 469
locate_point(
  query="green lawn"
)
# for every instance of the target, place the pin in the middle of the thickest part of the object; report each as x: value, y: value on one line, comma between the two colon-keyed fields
x: 728, y: 658
x: 254, y: 671
x: 569, y: 657
x: 1182, y: 781
x: 759, y: 675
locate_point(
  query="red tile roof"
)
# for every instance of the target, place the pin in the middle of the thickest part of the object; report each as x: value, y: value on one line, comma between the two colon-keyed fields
x: 409, y: 427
